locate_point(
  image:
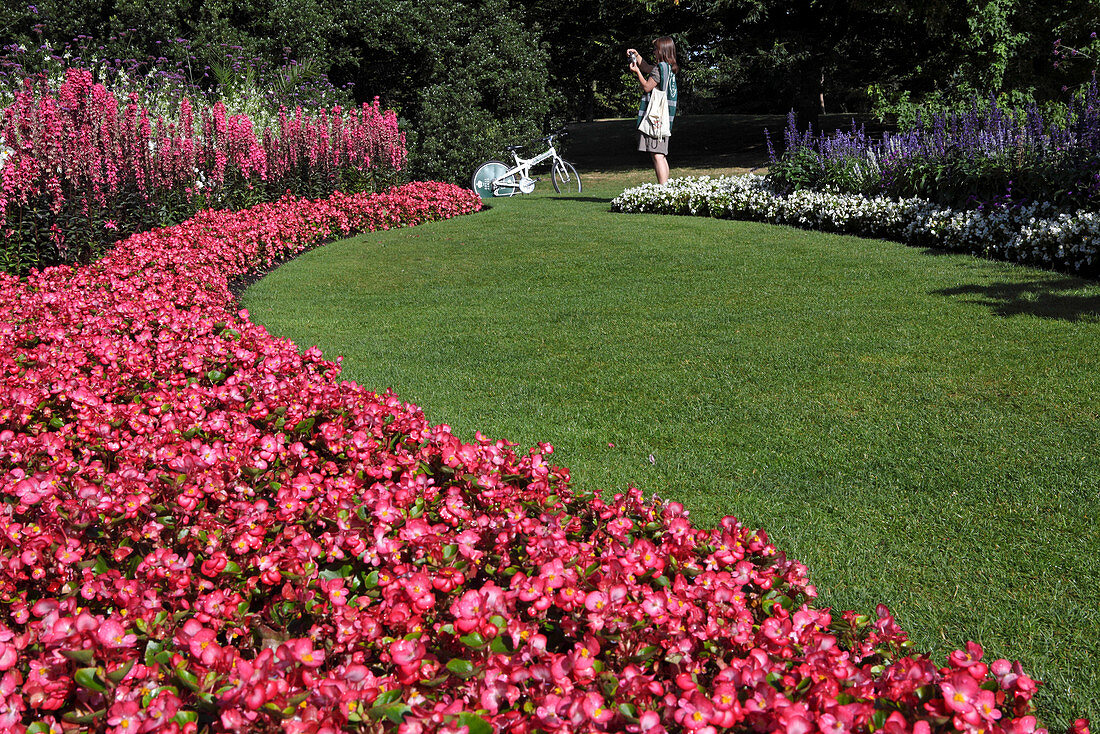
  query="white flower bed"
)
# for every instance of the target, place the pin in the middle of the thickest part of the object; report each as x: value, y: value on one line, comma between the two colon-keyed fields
x: 1036, y: 234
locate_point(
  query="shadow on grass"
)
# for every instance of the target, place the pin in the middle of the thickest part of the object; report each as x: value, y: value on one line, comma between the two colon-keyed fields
x: 1048, y: 299
x: 753, y: 157
x: 717, y: 162
x: 596, y: 199
x: 698, y: 141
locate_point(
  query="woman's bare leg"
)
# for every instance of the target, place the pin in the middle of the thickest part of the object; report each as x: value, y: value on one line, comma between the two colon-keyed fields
x: 660, y: 167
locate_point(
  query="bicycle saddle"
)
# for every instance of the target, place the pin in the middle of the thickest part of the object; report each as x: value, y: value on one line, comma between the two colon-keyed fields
x: 514, y: 147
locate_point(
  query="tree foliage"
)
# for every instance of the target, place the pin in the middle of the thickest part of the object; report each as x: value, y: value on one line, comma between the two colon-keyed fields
x: 469, y: 75
x: 860, y: 54
x: 484, y: 87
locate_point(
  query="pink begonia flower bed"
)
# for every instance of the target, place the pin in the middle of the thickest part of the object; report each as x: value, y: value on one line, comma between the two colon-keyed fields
x: 203, y: 529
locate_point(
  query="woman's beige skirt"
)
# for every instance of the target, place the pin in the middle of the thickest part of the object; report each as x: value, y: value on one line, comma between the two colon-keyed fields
x: 647, y: 144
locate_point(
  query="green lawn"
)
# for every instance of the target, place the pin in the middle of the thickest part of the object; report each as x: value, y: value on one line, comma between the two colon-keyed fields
x: 920, y: 429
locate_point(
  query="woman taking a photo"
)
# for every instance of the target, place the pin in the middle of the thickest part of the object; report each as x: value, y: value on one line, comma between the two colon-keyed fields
x: 651, y: 76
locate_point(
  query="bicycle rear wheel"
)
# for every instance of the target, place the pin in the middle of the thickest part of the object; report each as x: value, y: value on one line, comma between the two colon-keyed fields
x: 486, y: 173
x: 565, y: 178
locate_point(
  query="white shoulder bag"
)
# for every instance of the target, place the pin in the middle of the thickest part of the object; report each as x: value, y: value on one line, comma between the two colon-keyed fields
x: 655, y: 122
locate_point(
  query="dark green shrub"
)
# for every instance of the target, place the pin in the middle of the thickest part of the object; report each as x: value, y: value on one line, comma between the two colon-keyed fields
x: 487, y: 90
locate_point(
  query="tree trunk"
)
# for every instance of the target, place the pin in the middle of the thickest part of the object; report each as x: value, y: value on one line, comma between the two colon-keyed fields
x: 822, y: 92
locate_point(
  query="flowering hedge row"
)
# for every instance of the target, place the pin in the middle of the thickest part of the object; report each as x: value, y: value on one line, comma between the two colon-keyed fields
x: 987, y: 154
x: 80, y: 167
x: 1036, y: 234
x: 204, y: 529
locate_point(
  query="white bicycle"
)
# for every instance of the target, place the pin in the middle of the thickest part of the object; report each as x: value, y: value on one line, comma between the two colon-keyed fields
x: 495, y: 178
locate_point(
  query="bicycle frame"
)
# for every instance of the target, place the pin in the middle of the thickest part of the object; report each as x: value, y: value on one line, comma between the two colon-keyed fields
x: 523, y: 168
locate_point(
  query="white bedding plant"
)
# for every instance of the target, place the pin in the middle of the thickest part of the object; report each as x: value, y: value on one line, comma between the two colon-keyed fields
x: 1037, y: 233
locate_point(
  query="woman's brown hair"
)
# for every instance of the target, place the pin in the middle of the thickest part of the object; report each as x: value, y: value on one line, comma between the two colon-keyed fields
x: 665, y: 50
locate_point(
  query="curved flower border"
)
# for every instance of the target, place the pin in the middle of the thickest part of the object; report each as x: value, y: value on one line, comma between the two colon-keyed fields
x: 203, y: 529
x: 1035, y: 234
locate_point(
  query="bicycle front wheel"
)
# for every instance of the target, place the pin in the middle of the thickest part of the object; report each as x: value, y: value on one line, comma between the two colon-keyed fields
x: 486, y: 174
x: 565, y: 178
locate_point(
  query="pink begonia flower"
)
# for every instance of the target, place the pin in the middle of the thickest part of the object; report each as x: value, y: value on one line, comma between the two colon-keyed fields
x: 125, y: 717
x: 1030, y: 725
x: 596, y: 709
x: 552, y: 574
x: 420, y: 590
x: 202, y: 642
x: 9, y: 655
x: 1011, y: 678
x: 776, y: 630
x: 405, y: 652
x: 650, y: 723
x: 468, y: 610
x: 795, y: 719
x: 986, y: 706
x: 111, y: 634
x: 596, y: 601
x: 970, y: 660
x: 527, y: 589
x: 829, y: 724
x: 303, y: 651
x: 961, y: 695
x: 695, y: 712
x: 895, y: 724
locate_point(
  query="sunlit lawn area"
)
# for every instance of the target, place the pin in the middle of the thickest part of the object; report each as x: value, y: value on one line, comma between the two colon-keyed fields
x: 920, y: 429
